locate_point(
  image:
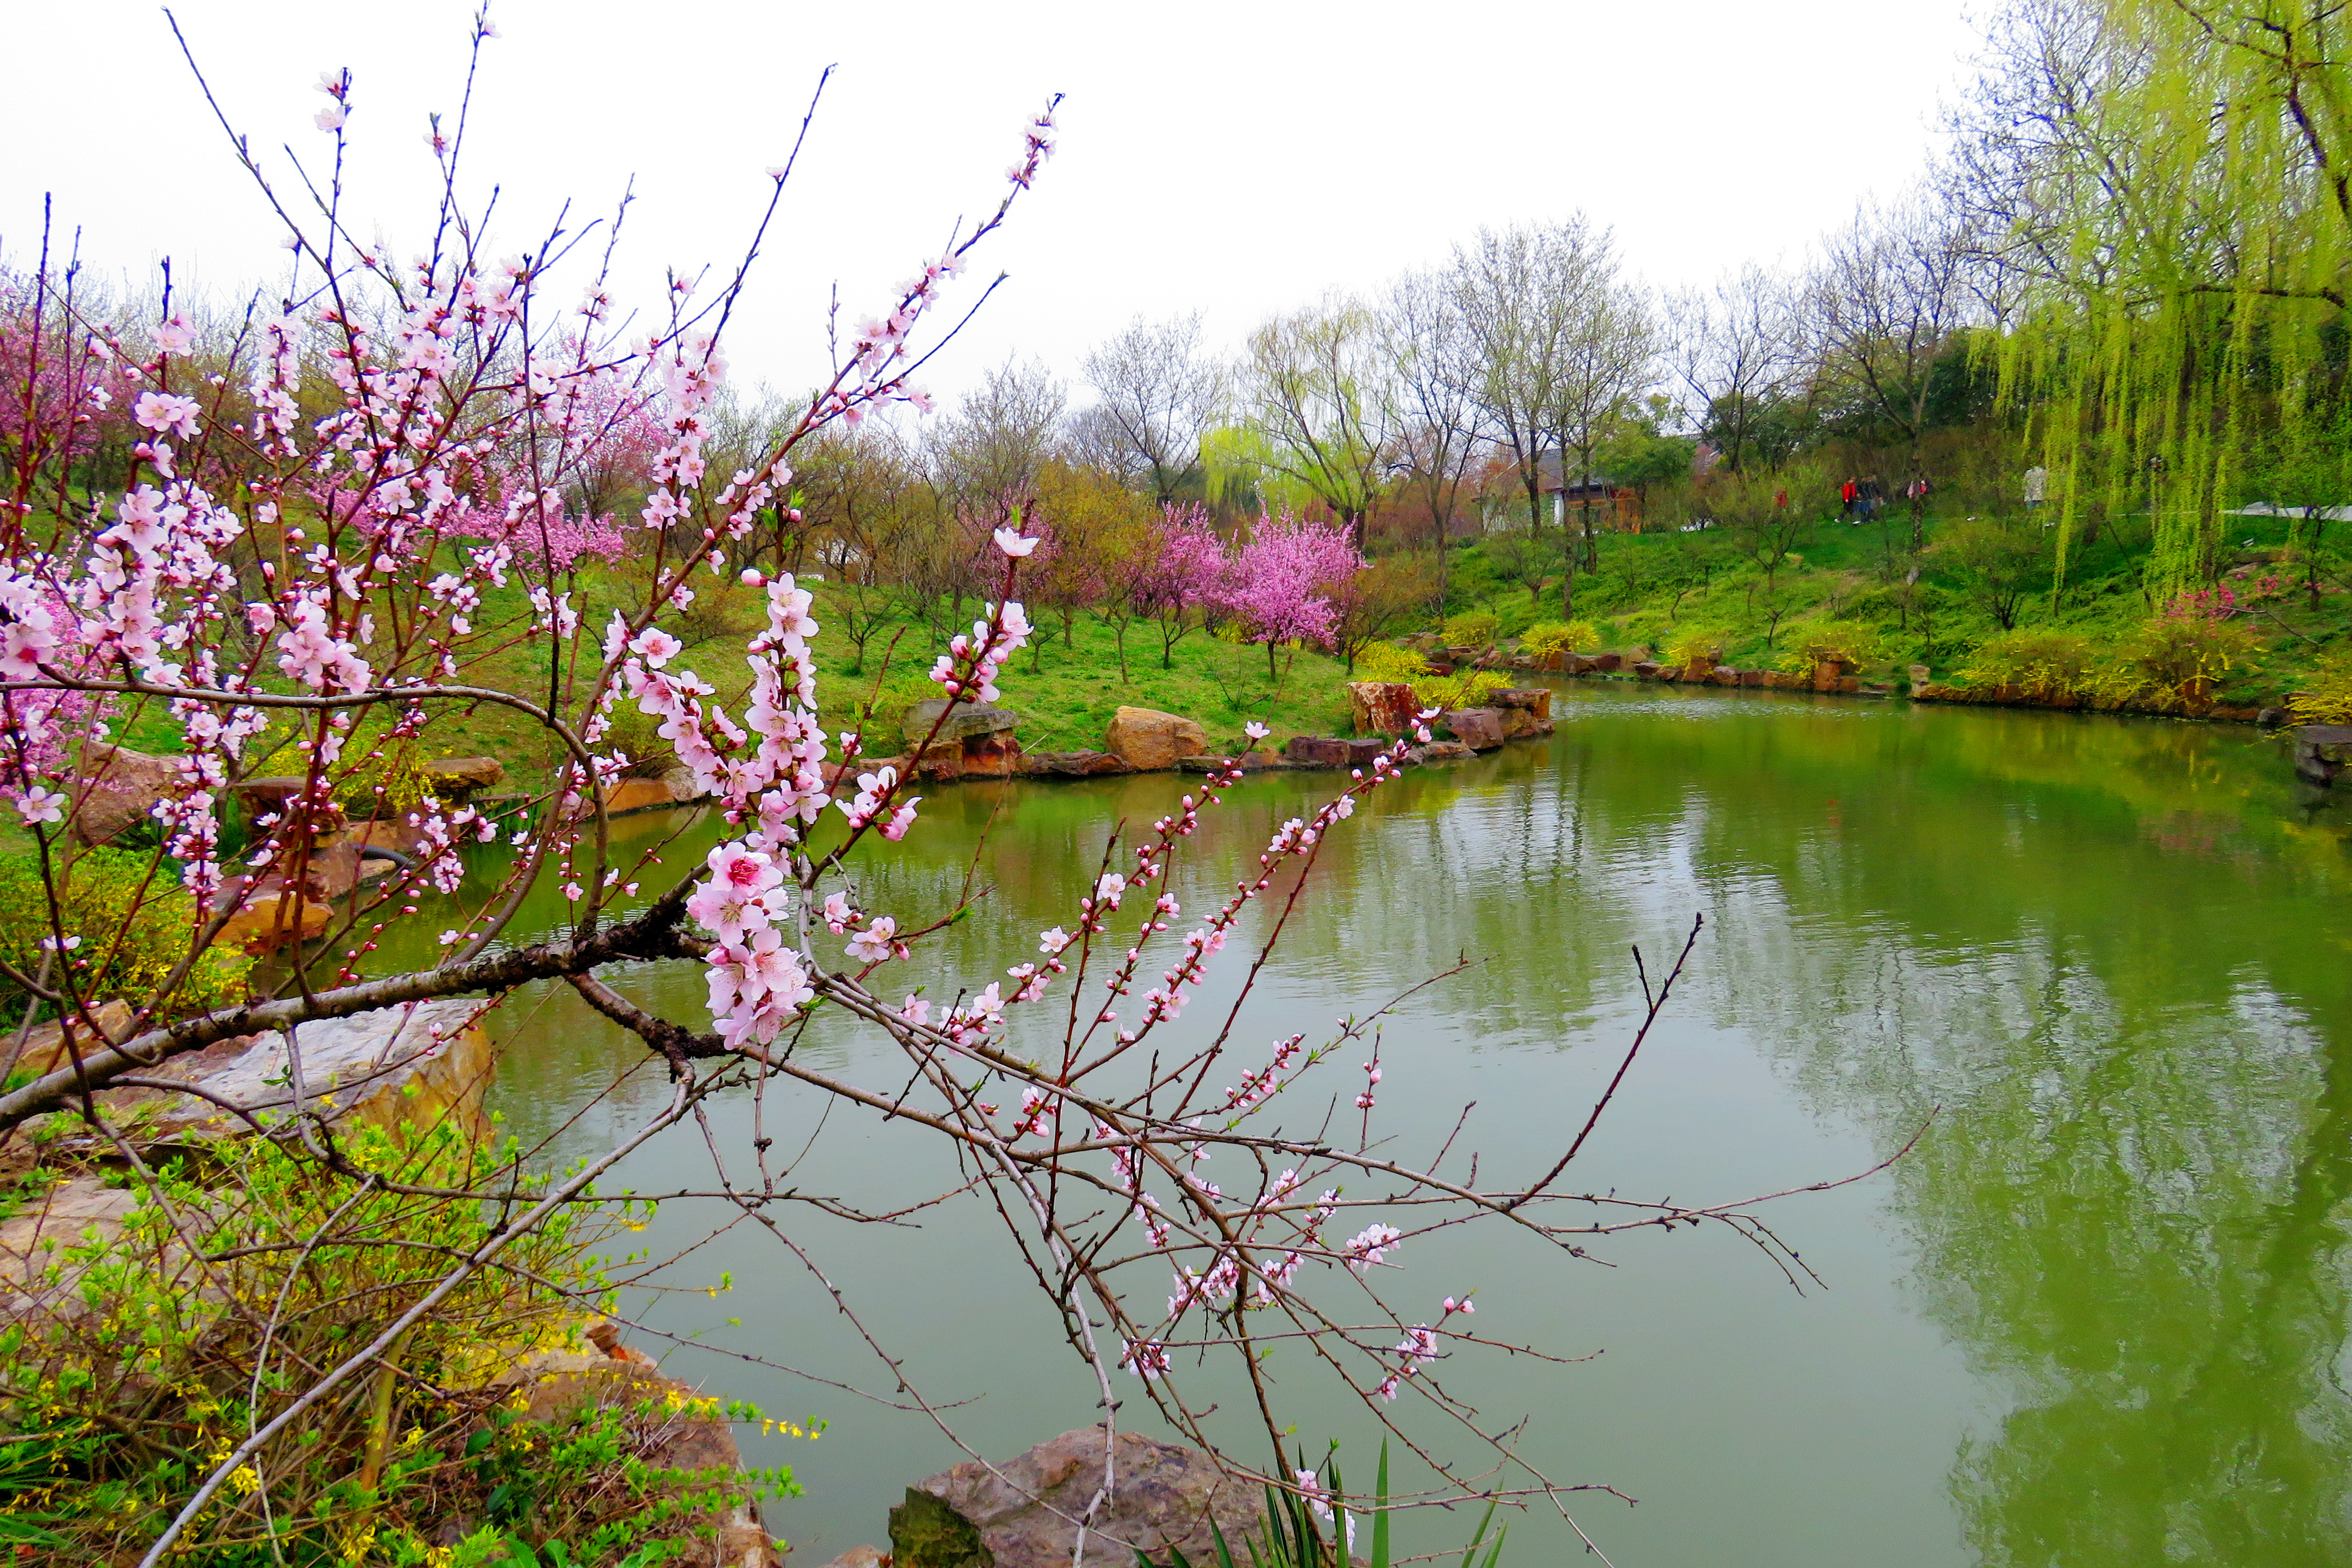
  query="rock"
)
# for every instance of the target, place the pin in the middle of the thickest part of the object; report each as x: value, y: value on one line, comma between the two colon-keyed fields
x: 1381, y: 707
x: 1071, y: 764
x: 1554, y: 662
x: 1536, y: 699
x: 1757, y: 678
x: 1723, y: 675
x: 1609, y: 663
x: 1443, y: 751
x: 119, y: 791
x: 274, y: 916
x: 1920, y: 676
x: 674, y: 1427
x: 966, y: 722
x: 1480, y: 729
x: 1018, y: 1514
x: 1646, y: 670
x: 682, y: 786
x: 2322, y: 752
x: 995, y: 755
x: 45, y: 1045
x: 1362, y: 749
x: 455, y: 778
x: 1151, y: 741
x: 2271, y: 718
x: 637, y: 795
x: 1319, y: 752
x: 34, y: 1272
x: 419, y: 1063
x: 861, y: 1557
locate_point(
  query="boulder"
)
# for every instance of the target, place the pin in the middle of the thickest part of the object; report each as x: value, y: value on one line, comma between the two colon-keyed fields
x: 993, y: 755
x: 1480, y: 729
x: 862, y: 1557
x: 1018, y: 1514
x: 2322, y: 752
x: 456, y: 778
x: 1319, y: 752
x: 1646, y: 670
x: 1919, y: 676
x: 1363, y: 748
x: 1071, y: 764
x: 1759, y: 677
x: 637, y: 795
x: 1443, y: 751
x: 966, y: 722
x: 119, y: 791
x: 1151, y: 741
x: 1723, y: 675
x: 1554, y: 662
x: 45, y: 1045
x: 674, y: 1427
x: 1828, y: 672
x: 1535, y: 700
x: 273, y: 918
x: 1609, y: 663
x: 1381, y: 707
x: 420, y: 1063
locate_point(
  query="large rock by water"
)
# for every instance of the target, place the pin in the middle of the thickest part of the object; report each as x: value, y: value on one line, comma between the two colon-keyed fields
x: 966, y: 722
x: 1021, y: 1513
x: 1381, y: 707
x: 1480, y: 729
x: 1151, y: 741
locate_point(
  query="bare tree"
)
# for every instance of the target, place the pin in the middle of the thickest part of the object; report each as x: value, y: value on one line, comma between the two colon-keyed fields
x: 1501, y: 290
x: 1609, y: 358
x: 1735, y: 347
x: 986, y: 456
x: 1311, y: 384
x: 1159, y: 394
x: 1431, y: 386
x: 1880, y: 306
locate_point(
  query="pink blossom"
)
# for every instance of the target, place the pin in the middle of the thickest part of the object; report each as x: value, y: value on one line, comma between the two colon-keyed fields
x: 1009, y: 540
x: 166, y: 412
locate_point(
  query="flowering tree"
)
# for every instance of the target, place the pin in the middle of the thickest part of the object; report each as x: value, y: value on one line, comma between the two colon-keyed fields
x: 1283, y: 579
x: 266, y: 570
x: 1186, y: 577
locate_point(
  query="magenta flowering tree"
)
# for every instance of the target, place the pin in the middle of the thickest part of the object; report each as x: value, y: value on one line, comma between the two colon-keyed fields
x: 1186, y: 575
x: 290, y: 559
x: 1284, y: 580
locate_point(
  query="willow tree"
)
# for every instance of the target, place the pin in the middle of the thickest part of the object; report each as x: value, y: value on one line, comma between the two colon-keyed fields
x: 2172, y: 184
x: 1312, y: 403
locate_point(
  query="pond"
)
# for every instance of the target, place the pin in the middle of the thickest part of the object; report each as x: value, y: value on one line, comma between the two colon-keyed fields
x: 2099, y: 968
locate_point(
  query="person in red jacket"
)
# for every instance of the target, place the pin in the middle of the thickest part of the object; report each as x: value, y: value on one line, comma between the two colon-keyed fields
x: 1849, y: 496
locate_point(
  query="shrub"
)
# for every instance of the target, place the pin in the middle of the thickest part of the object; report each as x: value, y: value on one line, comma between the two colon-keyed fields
x: 1824, y: 641
x: 2038, y: 660
x: 2327, y: 696
x: 1386, y: 661
x: 155, y: 1340
x: 1472, y: 628
x: 1557, y: 636
x: 388, y: 778
x: 2174, y: 656
x: 1690, y: 646
x: 1464, y: 690
x: 134, y: 925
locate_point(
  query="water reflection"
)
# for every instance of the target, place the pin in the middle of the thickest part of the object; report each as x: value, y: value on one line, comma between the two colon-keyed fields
x: 2097, y: 1315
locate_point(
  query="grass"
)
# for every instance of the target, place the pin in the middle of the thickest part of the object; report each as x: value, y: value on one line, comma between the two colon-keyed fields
x: 1644, y: 595
x: 1065, y: 691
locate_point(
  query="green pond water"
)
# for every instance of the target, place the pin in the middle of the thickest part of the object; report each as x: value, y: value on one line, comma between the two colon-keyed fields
x: 2097, y: 1315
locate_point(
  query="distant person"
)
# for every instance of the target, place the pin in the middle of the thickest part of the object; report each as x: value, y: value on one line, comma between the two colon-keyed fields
x: 1870, y: 497
x: 2037, y: 486
x: 1849, y: 495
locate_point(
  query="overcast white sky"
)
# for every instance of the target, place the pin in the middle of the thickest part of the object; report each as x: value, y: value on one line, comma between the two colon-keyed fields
x: 1233, y: 156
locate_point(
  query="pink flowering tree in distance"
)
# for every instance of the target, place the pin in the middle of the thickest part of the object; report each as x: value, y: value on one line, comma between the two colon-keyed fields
x: 339, y: 532
x: 1185, y: 577
x: 1282, y: 580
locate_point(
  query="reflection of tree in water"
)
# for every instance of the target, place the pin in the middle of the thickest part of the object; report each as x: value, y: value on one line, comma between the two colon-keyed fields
x: 2129, y: 1212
